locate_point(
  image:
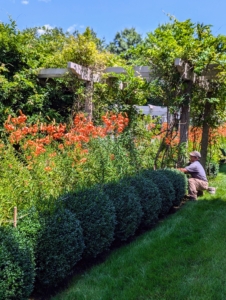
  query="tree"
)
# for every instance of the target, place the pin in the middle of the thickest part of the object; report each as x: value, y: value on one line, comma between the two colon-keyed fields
x: 92, y: 35
x: 123, y: 41
x: 197, y: 48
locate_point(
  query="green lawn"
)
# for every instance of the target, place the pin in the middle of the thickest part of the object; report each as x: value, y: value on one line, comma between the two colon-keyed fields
x: 184, y: 257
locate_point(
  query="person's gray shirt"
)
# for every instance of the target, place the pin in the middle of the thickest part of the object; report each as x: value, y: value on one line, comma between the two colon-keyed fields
x: 196, y: 170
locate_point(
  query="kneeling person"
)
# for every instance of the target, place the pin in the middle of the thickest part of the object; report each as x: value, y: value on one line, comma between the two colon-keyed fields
x: 198, y: 180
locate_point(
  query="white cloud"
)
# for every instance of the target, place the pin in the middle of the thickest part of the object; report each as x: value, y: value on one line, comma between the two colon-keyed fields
x: 72, y: 28
x: 43, y: 30
x: 25, y: 2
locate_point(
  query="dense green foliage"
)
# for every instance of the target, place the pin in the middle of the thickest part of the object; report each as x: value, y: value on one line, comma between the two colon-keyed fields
x: 128, y: 208
x: 17, y: 271
x: 52, y: 236
x: 83, y: 224
x: 195, y: 45
x: 150, y: 199
x: 212, y: 169
x: 165, y: 187
x: 182, y: 258
x: 123, y: 41
x: 96, y: 213
x: 29, y: 225
x: 179, y: 182
x: 25, y: 52
x: 59, y: 247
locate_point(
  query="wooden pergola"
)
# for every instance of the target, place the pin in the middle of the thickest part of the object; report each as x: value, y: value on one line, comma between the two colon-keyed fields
x: 184, y: 69
x: 87, y: 75
x: 203, y: 80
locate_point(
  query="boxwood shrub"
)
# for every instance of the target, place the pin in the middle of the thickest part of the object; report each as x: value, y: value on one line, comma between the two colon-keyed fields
x: 127, y: 208
x: 150, y: 199
x: 165, y: 188
x: 59, y: 247
x: 16, y: 265
x: 96, y: 213
x: 212, y: 169
x: 29, y: 225
x: 179, y: 182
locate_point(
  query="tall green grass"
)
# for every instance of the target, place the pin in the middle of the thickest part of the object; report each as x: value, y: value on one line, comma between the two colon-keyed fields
x: 183, y: 257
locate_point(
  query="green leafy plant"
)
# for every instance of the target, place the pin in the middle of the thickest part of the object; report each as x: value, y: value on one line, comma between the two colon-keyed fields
x: 17, y: 271
x: 128, y: 208
x: 59, y: 247
x: 150, y: 199
x: 212, y: 169
x: 165, y: 188
x: 179, y: 183
x: 96, y: 213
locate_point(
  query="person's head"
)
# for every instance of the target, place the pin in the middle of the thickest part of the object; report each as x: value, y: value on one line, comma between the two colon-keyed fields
x: 194, y: 155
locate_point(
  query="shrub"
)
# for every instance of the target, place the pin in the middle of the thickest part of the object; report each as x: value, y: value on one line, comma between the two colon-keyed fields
x: 150, y: 199
x: 212, y: 169
x: 165, y: 188
x: 96, y: 213
x: 179, y: 182
x: 127, y: 208
x: 16, y: 265
x: 59, y: 247
x: 29, y: 226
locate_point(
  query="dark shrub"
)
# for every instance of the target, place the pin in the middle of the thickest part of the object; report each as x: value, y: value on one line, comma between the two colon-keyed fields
x: 16, y: 266
x: 96, y: 213
x: 179, y: 182
x: 59, y: 247
x: 127, y: 208
x: 150, y: 199
x: 212, y: 169
x: 165, y: 188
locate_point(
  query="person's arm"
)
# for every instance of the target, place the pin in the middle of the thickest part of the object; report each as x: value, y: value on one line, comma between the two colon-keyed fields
x: 182, y: 170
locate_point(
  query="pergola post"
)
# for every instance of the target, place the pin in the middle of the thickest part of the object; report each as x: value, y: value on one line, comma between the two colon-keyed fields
x: 203, y: 81
x: 88, y: 100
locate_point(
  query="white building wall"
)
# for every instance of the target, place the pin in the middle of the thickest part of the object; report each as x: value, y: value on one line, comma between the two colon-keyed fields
x: 154, y: 111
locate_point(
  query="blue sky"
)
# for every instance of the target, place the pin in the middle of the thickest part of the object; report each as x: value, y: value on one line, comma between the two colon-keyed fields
x: 107, y: 17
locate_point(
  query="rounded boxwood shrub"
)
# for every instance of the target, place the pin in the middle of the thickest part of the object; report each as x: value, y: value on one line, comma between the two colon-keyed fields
x: 179, y: 182
x: 165, y: 188
x: 127, y: 208
x: 150, y: 199
x: 96, y: 213
x: 16, y: 265
x: 59, y: 247
x: 29, y: 225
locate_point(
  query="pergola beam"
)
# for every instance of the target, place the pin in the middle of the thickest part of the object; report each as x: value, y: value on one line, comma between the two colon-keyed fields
x: 86, y: 74
x: 83, y: 73
x: 52, y: 73
x: 187, y: 73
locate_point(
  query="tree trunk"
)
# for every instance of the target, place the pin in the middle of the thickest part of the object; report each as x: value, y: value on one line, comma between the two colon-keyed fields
x: 205, y: 133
